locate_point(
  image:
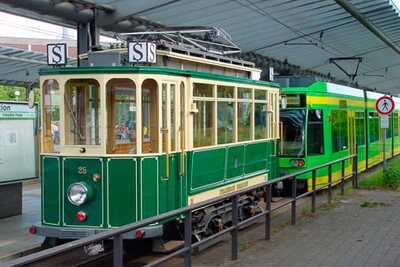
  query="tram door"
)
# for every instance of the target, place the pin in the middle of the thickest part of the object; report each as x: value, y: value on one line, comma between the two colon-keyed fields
x: 170, y: 188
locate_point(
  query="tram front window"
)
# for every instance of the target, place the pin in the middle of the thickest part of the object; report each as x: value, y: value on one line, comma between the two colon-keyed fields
x: 121, y: 105
x: 82, y: 112
x: 293, y: 125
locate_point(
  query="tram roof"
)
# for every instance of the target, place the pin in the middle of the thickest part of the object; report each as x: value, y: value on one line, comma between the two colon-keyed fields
x: 154, y: 70
x: 303, y: 32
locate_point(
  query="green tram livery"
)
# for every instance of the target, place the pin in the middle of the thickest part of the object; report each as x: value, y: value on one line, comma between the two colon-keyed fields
x: 322, y: 121
x: 123, y: 143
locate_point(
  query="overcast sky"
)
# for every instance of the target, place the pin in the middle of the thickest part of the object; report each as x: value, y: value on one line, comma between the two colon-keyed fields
x: 14, y: 26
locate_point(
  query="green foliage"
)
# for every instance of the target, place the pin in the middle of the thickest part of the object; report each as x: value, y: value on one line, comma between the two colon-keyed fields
x: 7, y: 92
x: 372, y: 204
x: 388, y: 178
x: 391, y: 177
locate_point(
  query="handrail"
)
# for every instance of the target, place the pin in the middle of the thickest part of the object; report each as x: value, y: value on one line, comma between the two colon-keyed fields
x: 116, y: 234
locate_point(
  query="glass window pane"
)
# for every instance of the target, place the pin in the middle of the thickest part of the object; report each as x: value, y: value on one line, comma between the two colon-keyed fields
x: 225, y: 91
x: 315, y: 132
x: 203, y: 131
x: 150, y: 116
x: 373, y: 127
x: 260, y: 95
x: 339, y: 130
x: 360, y: 128
x: 244, y: 121
x: 244, y: 93
x: 51, y: 113
x: 121, y: 102
x: 173, y: 112
x: 260, y: 121
x: 146, y: 115
x: 293, y: 128
x: 82, y: 112
x: 225, y: 122
x: 203, y: 90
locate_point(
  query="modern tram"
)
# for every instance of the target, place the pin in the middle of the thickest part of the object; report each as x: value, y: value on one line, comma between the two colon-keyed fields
x: 323, y: 121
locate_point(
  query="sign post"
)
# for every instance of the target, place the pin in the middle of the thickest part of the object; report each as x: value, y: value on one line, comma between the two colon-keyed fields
x: 385, y: 106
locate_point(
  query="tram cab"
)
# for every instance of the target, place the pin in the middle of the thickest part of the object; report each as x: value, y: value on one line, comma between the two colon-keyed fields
x: 124, y: 143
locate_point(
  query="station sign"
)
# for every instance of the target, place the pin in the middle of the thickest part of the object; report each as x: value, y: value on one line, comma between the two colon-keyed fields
x: 385, y: 105
x: 16, y: 111
x: 142, y: 52
x: 57, y: 54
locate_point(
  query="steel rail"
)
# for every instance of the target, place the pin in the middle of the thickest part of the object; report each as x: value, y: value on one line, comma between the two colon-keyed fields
x: 186, y: 212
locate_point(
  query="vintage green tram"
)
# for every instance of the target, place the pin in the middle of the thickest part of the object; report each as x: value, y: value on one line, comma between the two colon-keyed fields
x: 124, y: 143
x: 323, y: 121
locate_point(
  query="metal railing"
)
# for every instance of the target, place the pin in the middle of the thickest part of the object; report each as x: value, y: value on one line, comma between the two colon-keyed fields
x: 116, y: 234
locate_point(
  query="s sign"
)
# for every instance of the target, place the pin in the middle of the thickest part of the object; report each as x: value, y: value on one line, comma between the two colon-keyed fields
x: 57, y: 54
x: 142, y: 52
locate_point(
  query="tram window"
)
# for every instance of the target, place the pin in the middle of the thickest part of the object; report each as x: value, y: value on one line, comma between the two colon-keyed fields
x: 203, y: 90
x: 164, y: 120
x: 260, y: 95
x: 260, y: 120
x: 203, y: 130
x: 396, y: 124
x: 150, y: 112
x: 121, y: 104
x: 293, y: 128
x: 373, y: 127
x: 82, y: 112
x: 51, y: 116
x: 360, y: 128
x: 244, y: 121
x: 225, y: 91
x: 244, y: 93
x: 173, y: 116
x: 225, y: 122
x: 339, y: 130
x: 315, y: 132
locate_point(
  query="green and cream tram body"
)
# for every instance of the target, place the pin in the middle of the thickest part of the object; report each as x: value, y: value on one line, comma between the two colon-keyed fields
x: 322, y: 122
x: 124, y: 143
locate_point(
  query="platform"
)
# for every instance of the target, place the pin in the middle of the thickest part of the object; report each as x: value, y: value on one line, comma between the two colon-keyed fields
x: 362, y: 229
x: 14, y: 235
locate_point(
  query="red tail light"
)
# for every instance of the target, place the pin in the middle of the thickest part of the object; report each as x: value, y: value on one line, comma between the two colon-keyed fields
x: 140, y: 234
x: 81, y: 216
x: 32, y: 230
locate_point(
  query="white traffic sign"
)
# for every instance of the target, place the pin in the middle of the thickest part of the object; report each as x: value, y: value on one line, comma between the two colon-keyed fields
x: 57, y: 54
x: 385, y: 105
x: 142, y: 52
x: 384, y: 122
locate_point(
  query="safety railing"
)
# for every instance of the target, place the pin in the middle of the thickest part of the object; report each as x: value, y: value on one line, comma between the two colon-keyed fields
x: 117, y: 234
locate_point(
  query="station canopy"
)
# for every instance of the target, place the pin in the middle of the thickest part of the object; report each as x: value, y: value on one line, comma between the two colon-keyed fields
x: 326, y: 36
